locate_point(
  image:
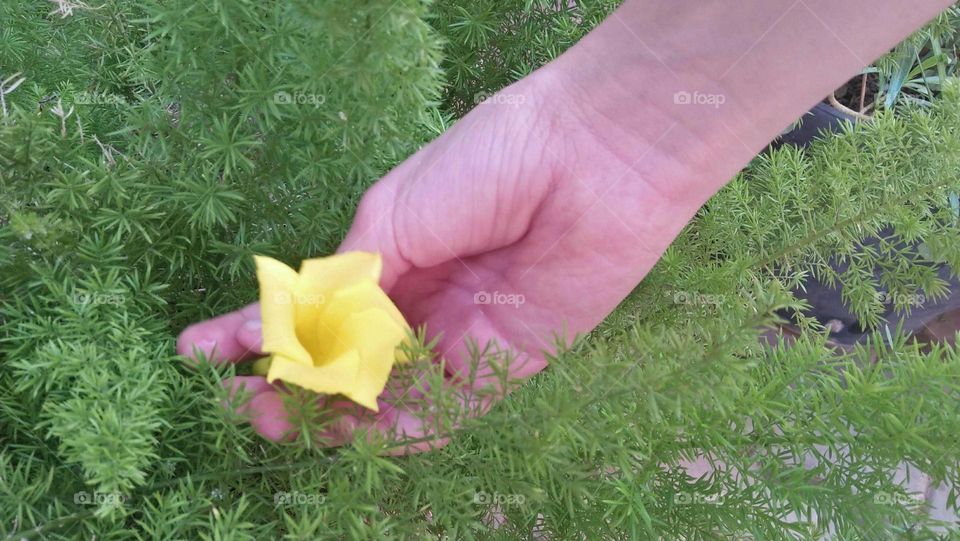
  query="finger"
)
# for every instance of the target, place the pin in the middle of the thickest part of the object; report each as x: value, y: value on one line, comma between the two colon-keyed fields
x: 408, y: 422
x: 251, y: 385
x: 394, y: 423
x: 229, y: 337
x: 410, y: 431
x: 269, y: 416
x: 415, y: 425
x: 250, y: 334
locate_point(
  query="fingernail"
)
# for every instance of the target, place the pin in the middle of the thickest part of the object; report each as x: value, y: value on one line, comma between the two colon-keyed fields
x: 249, y: 334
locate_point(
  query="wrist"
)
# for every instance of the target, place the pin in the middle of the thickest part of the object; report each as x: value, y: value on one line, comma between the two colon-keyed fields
x: 702, y: 87
x: 660, y: 117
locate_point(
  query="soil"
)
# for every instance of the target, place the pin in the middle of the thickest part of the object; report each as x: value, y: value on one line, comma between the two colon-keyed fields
x: 851, y: 94
x: 943, y: 328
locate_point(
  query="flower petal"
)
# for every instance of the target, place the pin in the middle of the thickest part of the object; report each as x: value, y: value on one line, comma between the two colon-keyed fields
x: 358, y: 297
x: 323, y: 274
x: 332, y: 378
x: 319, y: 278
x: 375, y: 335
x: 278, y: 284
x: 314, y: 336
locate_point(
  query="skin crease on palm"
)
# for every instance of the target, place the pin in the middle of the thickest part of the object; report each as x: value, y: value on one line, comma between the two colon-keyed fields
x: 568, y: 193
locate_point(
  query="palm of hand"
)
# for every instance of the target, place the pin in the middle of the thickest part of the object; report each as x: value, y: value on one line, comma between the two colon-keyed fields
x: 514, y: 247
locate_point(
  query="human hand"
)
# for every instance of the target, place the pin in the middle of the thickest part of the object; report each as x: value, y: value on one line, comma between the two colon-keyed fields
x: 516, y: 225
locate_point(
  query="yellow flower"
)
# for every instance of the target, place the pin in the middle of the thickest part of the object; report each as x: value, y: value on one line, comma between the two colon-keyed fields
x: 330, y: 328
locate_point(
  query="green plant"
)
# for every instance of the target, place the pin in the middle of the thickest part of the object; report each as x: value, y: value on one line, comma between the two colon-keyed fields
x: 155, y: 146
x: 917, y: 69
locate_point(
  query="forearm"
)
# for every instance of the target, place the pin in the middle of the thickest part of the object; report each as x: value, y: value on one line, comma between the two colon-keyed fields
x: 767, y: 61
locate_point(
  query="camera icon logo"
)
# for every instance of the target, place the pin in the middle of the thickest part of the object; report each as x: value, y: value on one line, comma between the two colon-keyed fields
x: 282, y: 98
x: 482, y: 297
x: 682, y: 98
